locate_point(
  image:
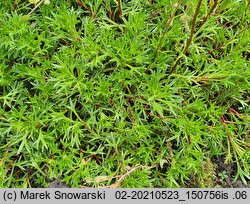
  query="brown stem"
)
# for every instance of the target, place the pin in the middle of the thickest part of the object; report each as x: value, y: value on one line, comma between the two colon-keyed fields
x: 108, y: 9
x: 167, y: 28
x: 193, y: 26
x: 190, y: 37
x: 35, y: 7
x: 120, y: 8
x: 207, y: 16
x: 118, y: 183
x: 83, y: 5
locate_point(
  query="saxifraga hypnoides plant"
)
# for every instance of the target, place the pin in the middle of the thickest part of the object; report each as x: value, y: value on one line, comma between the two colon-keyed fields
x: 112, y: 93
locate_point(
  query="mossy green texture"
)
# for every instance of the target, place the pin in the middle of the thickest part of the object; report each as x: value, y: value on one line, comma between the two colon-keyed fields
x: 88, y: 92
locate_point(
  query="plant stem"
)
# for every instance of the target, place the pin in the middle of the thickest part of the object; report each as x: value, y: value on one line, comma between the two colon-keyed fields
x: 36, y: 6
x: 83, y: 5
x: 120, y: 8
x: 208, y: 15
x: 167, y: 28
x: 190, y: 37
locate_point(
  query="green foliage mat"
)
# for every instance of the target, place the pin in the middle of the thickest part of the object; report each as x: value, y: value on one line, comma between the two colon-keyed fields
x: 139, y: 93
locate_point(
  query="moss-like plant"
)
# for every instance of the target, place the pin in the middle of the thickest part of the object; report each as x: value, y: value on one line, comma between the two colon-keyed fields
x: 123, y: 93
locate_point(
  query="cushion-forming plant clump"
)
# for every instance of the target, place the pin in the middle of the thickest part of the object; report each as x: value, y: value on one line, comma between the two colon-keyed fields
x: 124, y: 93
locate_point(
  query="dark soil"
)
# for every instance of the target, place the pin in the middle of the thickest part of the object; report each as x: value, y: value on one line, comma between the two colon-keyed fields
x: 57, y: 184
x: 230, y: 170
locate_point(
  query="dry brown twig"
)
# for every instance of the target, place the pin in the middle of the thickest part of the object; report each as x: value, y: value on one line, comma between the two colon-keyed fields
x: 118, y: 183
x: 35, y: 7
x: 122, y: 177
